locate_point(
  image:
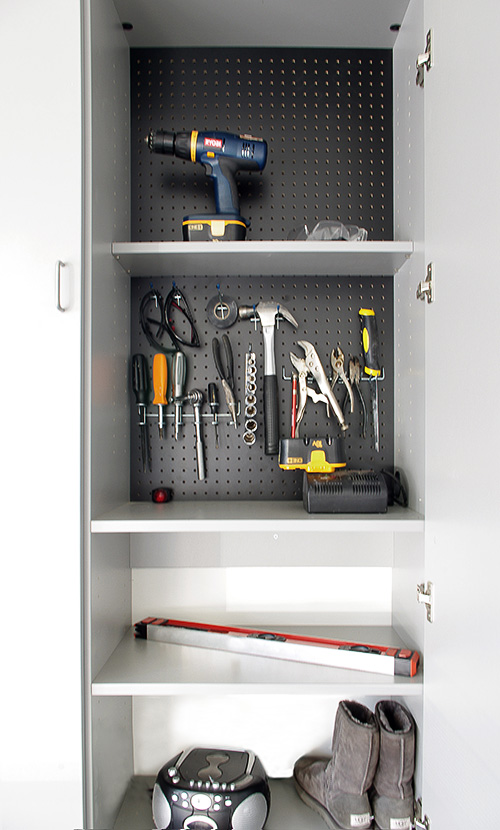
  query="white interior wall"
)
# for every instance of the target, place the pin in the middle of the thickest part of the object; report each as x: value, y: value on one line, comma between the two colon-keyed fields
x: 265, y: 596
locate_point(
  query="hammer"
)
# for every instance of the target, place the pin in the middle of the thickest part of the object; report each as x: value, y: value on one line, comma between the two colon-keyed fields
x: 267, y: 313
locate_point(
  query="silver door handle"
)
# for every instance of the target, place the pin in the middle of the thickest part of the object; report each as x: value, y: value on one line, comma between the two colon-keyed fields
x: 59, y: 266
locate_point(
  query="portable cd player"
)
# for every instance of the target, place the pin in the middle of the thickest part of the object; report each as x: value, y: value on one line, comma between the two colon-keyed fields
x: 211, y: 789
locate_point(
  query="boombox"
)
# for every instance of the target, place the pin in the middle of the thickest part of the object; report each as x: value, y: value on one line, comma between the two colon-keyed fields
x: 211, y: 789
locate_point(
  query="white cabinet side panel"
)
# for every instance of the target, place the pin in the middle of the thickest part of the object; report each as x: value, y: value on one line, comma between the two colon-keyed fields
x: 110, y: 596
x: 108, y: 727
x: 409, y: 317
x: 409, y: 344
x: 108, y: 205
x: 113, y: 754
x: 40, y: 223
x: 462, y: 729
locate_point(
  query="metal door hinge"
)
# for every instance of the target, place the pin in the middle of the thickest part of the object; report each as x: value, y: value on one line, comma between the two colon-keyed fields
x: 425, y: 60
x: 425, y: 595
x: 426, y: 288
x: 420, y: 823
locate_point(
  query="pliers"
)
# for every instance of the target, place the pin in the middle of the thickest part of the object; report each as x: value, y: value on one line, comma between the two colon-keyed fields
x: 355, y: 377
x: 304, y: 390
x: 225, y: 370
x: 337, y: 361
x: 311, y: 365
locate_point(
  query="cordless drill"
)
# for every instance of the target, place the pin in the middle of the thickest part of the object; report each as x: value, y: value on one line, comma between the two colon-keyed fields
x: 222, y: 155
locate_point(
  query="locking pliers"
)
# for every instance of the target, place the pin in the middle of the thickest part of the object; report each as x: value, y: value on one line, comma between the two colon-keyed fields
x: 311, y: 365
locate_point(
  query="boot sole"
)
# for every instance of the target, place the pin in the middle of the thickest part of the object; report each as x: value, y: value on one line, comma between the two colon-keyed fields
x: 317, y: 807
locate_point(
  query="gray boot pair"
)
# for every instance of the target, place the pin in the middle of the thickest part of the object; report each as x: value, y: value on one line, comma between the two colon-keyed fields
x: 370, y: 772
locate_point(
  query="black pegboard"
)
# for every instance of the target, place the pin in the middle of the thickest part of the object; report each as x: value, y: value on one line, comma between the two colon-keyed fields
x: 325, y: 113
x: 327, y: 118
x: 327, y: 312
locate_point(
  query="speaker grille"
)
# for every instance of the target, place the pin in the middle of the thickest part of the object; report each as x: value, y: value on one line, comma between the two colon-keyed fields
x: 251, y: 814
x: 162, y: 813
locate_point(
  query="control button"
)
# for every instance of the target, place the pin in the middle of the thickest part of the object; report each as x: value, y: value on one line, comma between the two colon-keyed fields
x: 176, y: 779
x: 184, y: 796
x: 201, y: 801
x: 217, y: 798
x: 172, y: 771
x: 228, y: 802
x: 185, y: 804
x: 216, y: 807
x: 175, y: 797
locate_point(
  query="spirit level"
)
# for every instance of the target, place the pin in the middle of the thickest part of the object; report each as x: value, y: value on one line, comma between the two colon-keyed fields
x: 337, y: 653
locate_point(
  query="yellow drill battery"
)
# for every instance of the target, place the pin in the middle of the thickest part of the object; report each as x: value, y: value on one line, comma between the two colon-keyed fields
x: 215, y: 227
x: 314, y: 455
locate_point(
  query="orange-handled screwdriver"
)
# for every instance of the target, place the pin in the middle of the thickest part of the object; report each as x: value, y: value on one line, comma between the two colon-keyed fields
x: 160, y: 388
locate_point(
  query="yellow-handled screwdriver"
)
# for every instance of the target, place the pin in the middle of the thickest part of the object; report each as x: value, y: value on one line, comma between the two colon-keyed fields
x: 370, y: 341
x: 160, y: 387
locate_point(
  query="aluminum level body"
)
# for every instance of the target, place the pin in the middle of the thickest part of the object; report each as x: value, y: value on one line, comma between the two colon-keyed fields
x: 319, y: 651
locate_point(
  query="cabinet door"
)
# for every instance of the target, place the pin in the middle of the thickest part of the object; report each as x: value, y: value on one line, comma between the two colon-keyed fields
x: 462, y: 124
x: 40, y: 174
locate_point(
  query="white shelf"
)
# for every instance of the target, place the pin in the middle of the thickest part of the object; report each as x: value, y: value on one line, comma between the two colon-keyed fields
x: 230, y: 516
x: 176, y: 259
x: 288, y: 811
x: 139, y: 668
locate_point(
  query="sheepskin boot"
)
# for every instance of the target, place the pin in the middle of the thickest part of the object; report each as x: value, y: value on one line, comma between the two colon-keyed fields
x: 392, y: 793
x: 337, y: 787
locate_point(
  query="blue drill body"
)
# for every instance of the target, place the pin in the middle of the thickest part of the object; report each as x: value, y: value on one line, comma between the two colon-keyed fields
x: 222, y: 155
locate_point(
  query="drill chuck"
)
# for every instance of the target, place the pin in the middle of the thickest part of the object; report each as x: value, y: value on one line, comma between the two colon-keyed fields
x: 160, y: 141
x: 170, y: 144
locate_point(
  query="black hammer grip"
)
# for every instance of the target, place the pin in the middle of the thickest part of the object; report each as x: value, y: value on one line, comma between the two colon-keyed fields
x: 271, y: 415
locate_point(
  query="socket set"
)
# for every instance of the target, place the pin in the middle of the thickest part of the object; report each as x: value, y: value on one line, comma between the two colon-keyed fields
x: 250, y: 413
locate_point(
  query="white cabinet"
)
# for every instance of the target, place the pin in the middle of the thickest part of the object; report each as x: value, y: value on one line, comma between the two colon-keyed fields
x: 461, y: 526
x: 241, y: 562
x: 146, y: 702
x: 40, y: 246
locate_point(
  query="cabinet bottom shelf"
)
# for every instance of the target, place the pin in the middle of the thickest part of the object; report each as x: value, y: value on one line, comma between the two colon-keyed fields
x: 287, y: 812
